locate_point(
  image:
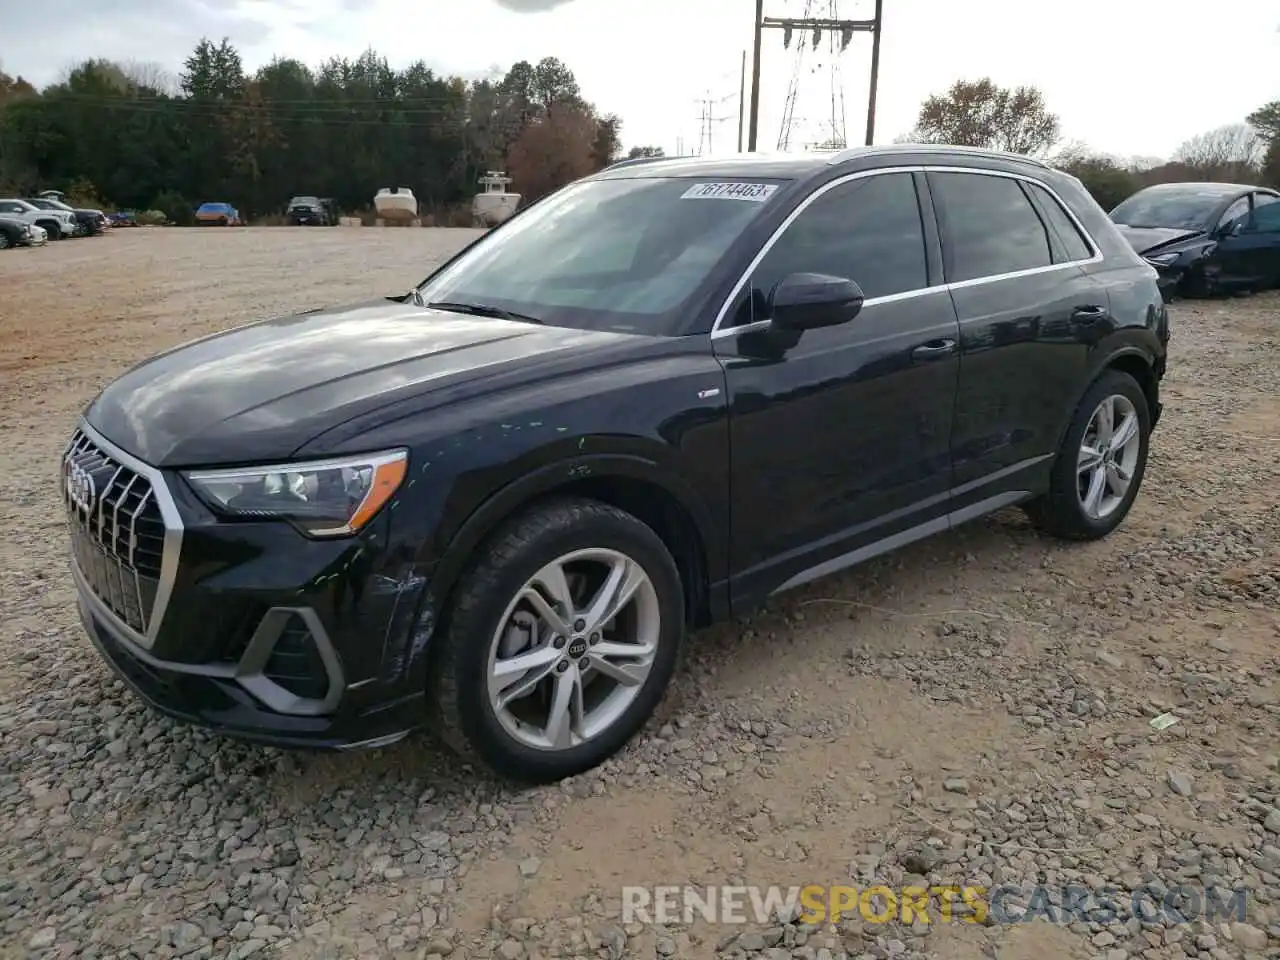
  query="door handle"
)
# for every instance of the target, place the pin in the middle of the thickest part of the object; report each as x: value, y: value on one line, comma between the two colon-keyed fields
x: 934, y: 350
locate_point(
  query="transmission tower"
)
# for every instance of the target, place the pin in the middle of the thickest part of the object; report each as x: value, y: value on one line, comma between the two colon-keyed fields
x: 837, y: 34
x: 821, y: 20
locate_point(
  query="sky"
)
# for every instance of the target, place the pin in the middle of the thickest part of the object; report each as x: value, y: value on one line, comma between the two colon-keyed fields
x: 1126, y: 77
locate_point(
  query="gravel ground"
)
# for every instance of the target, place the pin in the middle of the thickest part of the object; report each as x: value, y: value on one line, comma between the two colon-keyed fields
x: 972, y: 709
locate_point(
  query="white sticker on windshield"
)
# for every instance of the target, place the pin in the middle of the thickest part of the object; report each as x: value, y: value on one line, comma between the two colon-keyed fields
x: 754, y: 192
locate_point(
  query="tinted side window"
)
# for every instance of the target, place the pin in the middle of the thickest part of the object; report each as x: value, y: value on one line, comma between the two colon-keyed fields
x: 1266, y: 219
x: 1073, y: 244
x: 1264, y: 199
x: 1237, y: 211
x: 989, y: 228
x: 867, y: 230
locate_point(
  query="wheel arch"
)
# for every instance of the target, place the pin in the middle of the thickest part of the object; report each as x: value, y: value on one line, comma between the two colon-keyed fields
x: 670, y: 507
x: 1130, y: 359
x: 1142, y: 368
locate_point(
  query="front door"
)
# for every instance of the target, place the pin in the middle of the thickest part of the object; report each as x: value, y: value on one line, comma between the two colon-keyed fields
x: 840, y: 441
x: 1250, y: 249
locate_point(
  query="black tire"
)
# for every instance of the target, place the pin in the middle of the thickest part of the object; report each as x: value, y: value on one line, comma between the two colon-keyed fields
x: 51, y: 228
x: 1060, y: 512
x: 459, y: 676
x: 4, y: 241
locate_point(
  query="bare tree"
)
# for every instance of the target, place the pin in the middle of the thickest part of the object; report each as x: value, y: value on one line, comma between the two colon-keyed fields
x: 1266, y: 120
x: 151, y: 76
x: 981, y: 114
x: 1226, y: 153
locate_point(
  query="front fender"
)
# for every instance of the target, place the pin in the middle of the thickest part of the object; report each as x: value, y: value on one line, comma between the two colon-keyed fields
x: 463, y: 529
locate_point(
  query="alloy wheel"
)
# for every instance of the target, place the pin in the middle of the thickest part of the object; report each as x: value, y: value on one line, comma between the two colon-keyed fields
x: 1108, y: 457
x: 573, y: 649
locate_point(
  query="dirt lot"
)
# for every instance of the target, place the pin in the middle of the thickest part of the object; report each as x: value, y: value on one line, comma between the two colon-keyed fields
x: 974, y: 709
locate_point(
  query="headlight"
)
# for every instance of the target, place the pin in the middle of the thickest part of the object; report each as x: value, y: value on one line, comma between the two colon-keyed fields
x: 1163, y: 259
x: 329, y: 498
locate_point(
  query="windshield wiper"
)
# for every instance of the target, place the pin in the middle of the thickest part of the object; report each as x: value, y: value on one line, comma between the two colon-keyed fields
x: 482, y: 310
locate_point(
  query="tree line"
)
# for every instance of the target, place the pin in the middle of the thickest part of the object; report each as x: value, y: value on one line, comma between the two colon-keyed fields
x: 980, y: 113
x: 129, y: 136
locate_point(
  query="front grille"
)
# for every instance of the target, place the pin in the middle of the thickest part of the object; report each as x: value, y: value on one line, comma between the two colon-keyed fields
x: 295, y: 662
x: 117, y: 531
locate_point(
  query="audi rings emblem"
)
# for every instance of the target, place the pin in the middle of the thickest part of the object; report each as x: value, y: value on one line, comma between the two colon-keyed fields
x: 81, y: 490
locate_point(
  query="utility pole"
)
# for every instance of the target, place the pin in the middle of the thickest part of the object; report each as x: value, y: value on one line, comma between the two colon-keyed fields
x: 742, y: 99
x: 875, y: 73
x: 790, y: 25
x: 757, y: 30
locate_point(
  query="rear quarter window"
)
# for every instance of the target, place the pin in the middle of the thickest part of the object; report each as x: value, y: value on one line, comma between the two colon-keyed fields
x: 1074, y: 245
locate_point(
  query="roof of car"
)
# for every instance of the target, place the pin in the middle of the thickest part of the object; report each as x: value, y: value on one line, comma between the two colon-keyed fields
x: 791, y: 165
x: 1206, y: 187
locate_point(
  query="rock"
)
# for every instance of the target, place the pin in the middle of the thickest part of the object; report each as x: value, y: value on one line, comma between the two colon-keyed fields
x: 1272, y: 822
x: 1247, y: 936
x: 530, y: 867
x: 1179, y: 783
x: 922, y: 859
x: 43, y: 938
x: 955, y: 785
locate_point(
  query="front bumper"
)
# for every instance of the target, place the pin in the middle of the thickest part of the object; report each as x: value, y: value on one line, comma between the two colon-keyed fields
x: 249, y: 629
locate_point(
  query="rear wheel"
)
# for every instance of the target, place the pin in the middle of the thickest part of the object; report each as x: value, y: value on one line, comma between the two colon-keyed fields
x: 561, y: 642
x: 4, y: 241
x: 1100, y: 467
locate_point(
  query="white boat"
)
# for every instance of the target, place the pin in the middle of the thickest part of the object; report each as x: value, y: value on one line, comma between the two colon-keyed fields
x: 496, y: 204
x: 396, y: 204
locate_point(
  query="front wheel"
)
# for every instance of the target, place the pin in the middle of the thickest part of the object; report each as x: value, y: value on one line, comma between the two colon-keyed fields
x: 53, y: 230
x: 561, y: 642
x: 1100, y: 467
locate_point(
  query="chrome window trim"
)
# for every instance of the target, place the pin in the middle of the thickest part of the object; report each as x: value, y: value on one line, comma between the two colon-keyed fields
x: 718, y: 331
x: 172, y: 537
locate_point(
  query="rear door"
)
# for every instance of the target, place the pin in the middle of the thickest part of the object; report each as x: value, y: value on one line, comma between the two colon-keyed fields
x: 1027, y: 310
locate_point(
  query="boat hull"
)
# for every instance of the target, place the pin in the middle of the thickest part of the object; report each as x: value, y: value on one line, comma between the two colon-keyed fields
x: 490, y: 209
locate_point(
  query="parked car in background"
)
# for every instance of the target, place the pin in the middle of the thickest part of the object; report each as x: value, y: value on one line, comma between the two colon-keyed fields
x: 217, y: 214
x: 123, y: 218
x: 19, y: 233
x: 1205, y: 238
x: 56, y: 223
x: 92, y: 222
x: 312, y: 212
x: 648, y: 402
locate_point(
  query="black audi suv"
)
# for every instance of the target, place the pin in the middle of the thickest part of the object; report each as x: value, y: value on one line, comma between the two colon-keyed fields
x: 497, y: 504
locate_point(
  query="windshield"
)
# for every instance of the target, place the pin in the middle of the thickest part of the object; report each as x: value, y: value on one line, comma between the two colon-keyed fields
x: 1187, y: 209
x: 620, y: 255
x: 305, y: 202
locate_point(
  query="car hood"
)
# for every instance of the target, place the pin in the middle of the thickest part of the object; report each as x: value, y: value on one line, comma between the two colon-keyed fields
x: 1146, y: 239
x: 259, y: 392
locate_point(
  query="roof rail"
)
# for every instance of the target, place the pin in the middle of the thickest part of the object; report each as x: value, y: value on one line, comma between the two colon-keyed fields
x: 636, y: 161
x: 851, y: 152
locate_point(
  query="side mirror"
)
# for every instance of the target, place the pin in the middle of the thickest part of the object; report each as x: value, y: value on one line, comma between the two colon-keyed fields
x: 807, y: 301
